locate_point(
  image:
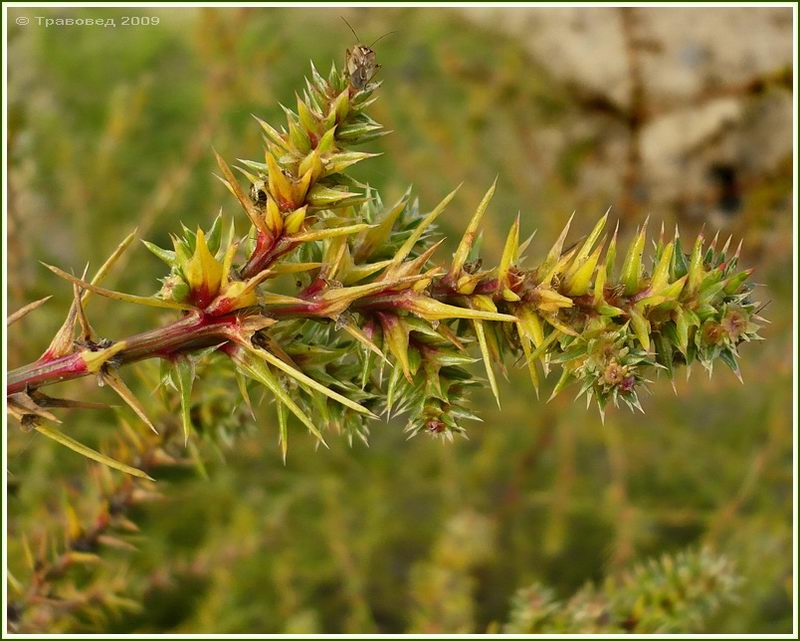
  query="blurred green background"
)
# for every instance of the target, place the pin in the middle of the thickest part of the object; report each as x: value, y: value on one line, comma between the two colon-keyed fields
x: 648, y: 110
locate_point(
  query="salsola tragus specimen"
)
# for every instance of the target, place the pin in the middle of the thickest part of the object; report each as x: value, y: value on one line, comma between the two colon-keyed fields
x: 374, y: 325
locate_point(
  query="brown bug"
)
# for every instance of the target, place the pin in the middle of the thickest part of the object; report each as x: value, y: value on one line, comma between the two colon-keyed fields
x: 361, y: 64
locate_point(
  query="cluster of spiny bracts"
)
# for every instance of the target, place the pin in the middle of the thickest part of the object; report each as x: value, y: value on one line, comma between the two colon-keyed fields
x: 335, y: 304
x: 677, y: 593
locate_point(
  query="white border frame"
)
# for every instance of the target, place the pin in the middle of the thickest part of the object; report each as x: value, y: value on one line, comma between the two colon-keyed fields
x: 23, y: 5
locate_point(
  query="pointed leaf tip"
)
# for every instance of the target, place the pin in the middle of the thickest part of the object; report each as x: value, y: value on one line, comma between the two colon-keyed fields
x: 471, y: 233
x: 89, y: 453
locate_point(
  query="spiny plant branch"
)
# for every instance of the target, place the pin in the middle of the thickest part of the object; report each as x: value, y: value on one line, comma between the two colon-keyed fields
x: 66, y: 576
x: 676, y: 593
x: 373, y: 325
x: 190, y: 333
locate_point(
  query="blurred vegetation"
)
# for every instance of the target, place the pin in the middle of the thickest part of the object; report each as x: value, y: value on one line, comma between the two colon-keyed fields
x: 110, y: 129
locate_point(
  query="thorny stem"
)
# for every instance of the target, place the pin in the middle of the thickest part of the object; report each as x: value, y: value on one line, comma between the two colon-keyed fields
x: 193, y: 332
x: 190, y: 333
x: 197, y: 330
x: 267, y: 251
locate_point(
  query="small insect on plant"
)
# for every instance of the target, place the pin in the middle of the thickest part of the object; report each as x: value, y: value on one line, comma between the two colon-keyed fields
x: 361, y: 64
